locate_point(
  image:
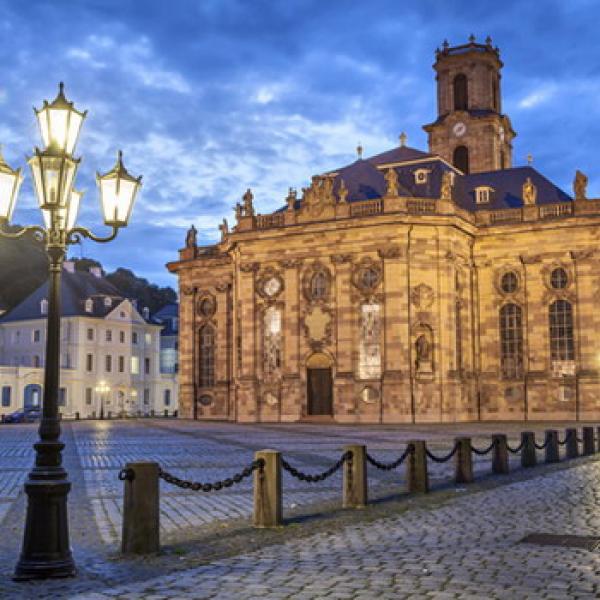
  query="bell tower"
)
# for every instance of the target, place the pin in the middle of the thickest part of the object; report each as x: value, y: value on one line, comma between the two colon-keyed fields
x: 470, y: 130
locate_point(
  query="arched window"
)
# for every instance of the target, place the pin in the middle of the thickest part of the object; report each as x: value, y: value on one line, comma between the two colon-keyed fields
x: 461, y: 158
x: 511, y: 341
x: 318, y: 285
x: 561, y: 331
x: 272, y: 341
x: 207, y: 356
x: 495, y: 93
x: 461, y: 95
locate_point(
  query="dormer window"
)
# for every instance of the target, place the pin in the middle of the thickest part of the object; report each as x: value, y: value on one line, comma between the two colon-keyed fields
x: 107, y: 301
x: 421, y: 176
x: 44, y: 306
x: 483, y: 194
x: 89, y: 305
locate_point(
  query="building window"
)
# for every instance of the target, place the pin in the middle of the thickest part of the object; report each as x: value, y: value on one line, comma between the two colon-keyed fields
x: 511, y: 341
x: 62, y: 396
x: 509, y: 282
x: 146, y: 396
x: 134, y: 337
x: 37, y: 361
x: 135, y: 365
x: 167, y: 397
x: 108, y: 363
x: 369, y: 351
x: 318, y: 286
x: 147, y: 366
x: 421, y: 176
x: 107, y: 301
x: 483, y: 194
x: 37, y: 336
x: 148, y: 339
x: 88, y: 396
x: 207, y: 356
x: 460, y: 158
x: 272, y: 341
x: 461, y: 92
x: 109, y: 335
x: 89, y: 363
x: 44, y: 306
x: 90, y: 334
x: 89, y: 305
x: 6, y: 395
x: 122, y: 337
x: 121, y: 364
x: 562, y: 346
x: 559, y: 279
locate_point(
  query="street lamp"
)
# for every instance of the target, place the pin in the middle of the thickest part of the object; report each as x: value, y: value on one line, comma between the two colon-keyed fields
x: 46, y: 550
x: 102, y: 388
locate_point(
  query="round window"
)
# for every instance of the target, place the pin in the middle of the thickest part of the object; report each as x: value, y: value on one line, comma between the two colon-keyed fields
x: 318, y: 285
x: 206, y: 307
x: 509, y: 282
x: 369, y: 278
x: 559, y: 279
x: 205, y: 400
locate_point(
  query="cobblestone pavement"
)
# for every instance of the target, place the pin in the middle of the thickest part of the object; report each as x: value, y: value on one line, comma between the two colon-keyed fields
x: 465, y: 544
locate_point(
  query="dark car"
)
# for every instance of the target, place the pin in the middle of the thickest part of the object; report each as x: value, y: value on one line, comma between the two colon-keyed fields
x: 27, y: 415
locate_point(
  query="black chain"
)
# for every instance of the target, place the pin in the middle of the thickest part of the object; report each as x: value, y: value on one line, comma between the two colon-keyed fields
x: 485, y: 450
x: 321, y: 476
x: 445, y: 458
x: 564, y: 441
x: 126, y: 475
x: 517, y: 449
x: 542, y: 446
x: 196, y: 486
x: 389, y: 466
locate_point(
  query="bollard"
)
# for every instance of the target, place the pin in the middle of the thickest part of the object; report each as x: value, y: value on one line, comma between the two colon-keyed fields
x: 598, y: 439
x: 141, y: 509
x: 166, y: 412
x: 267, y: 490
x: 588, y: 441
x: 551, y: 441
x: 417, y: 478
x: 77, y: 416
x: 109, y: 415
x: 499, y: 454
x: 152, y: 413
x: 354, y: 485
x: 463, y: 461
x: 571, y: 445
x: 528, y: 456
x: 175, y: 413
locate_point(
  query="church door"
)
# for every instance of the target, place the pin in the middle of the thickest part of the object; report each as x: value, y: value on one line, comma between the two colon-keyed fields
x: 320, y: 392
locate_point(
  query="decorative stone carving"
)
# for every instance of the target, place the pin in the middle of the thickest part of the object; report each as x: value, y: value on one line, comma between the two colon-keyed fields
x: 224, y: 229
x: 446, y: 186
x: 580, y: 185
x: 339, y: 259
x: 290, y: 263
x: 367, y: 275
x: 222, y: 286
x: 422, y: 296
x: 270, y: 284
x: 319, y: 195
x: 318, y: 324
x: 390, y: 251
x: 250, y: 267
x: 188, y: 290
x: 291, y: 199
x: 248, y: 207
x: 424, y: 350
x: 530, y: 260
x: 316, y: 283
x: 529, y: 192
x: 582, y: 254
x: 191, y: 237
x: 206, y: 306
x: 342, y: 192
x: 391, y: 178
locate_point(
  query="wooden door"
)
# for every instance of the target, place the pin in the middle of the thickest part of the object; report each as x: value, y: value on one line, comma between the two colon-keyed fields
x: 320, y: 391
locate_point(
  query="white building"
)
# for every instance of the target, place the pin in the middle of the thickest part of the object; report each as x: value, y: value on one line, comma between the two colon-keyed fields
x: 110, y: 358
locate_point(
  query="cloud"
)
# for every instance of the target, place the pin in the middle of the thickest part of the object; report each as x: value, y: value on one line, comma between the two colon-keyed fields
x: 538, y: 96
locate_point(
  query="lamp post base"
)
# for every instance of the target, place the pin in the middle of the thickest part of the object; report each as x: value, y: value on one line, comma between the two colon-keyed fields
x: 46, y: 552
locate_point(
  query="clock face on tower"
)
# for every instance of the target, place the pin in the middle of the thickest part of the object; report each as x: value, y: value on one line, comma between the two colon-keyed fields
x: 459, y: 129
x: 272, y: 286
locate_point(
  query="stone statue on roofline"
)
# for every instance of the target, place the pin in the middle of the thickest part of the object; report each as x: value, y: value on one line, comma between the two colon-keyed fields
x: 224, y: 229
x: 191, y: 237
x: 291, y: 199
x: 529, y: 192
x: 391, y: 178
x: 342, y: 192
x: 580, y: 185
x: 247, y: 206
x: 446, y: 187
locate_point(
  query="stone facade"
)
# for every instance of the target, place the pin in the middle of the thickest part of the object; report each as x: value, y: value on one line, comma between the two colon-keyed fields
x: 400, y: 289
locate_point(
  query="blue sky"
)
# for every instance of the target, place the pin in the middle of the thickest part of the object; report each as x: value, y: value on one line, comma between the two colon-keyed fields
x: 207, y: 98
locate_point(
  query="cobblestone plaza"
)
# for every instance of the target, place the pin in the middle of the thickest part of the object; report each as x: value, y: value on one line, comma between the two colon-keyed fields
x: 457, y: 542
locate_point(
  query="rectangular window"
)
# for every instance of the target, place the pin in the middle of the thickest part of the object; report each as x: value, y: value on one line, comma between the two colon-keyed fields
x: 108, y: 335
x: 6, y: 395
x: 62, y: 396
x: 146, y: 396
x: 90, y: 335
x: 135, y: 365
x: 37, y: 336
x: 148, y: 339
x: 121, y: 364
x: 88, y: 396
x: 134, y: 337
x: 89, y: 363
x: 167, y: 397
x: 108, y: 363
x: 147, y: 366
x: 66, y: 361
x: 122, y: 337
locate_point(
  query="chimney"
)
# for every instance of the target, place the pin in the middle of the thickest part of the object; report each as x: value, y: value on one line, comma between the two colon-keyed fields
x: 96, y: 272
x: 69, y: 266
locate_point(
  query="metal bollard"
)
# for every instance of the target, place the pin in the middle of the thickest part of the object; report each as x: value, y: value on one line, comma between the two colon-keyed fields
x: 528, y: 455
x: 267, y: 490
x: 551, y: 441
x: 571, y: 445
x: 141, y: 509
x: 588, y: 441
x: 417, y: 478
x: 499, y: 454
x: 463, y: 461
x: 355, y: 478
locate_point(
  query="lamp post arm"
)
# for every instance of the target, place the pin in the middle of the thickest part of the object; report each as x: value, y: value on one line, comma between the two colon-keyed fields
x: 39, y: 233
x: 74, y: 235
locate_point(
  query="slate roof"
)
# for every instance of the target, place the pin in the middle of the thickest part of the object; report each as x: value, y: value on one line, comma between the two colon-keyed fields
x: 167, y: 316
x: 75, y: 289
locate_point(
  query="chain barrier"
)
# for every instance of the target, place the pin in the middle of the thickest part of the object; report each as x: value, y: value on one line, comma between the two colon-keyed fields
x: 485, y: 450
x: 541, y: 446
x: 517, y: 449
x: 126, y: 475
x: 442, y: 459
x: 567, y: 436
x: 393, y: 465
x: 347, y: 456
x: 197, y: 486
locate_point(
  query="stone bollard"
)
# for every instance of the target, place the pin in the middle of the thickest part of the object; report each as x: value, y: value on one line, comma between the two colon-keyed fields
x: 598, y: 439
x: 141, y: 509
x: 355, y: 478
x: 417, y: 478
x: 588, y: 441
x: 77, y: 416
x: 109, y: 416
x: 166, y: 414
x: 152, y: 413
x: 463, y: 461
x: 267, y: 490
x: 571, y: 445
x: 551, y: 441
x: 499, y: 454
x: 528, y: 456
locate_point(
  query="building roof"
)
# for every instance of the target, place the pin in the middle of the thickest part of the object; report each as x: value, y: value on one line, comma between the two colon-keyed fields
x: 168, y: 316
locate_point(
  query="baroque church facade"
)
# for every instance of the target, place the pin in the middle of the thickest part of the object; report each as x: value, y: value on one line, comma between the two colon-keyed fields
x: 410, y: 286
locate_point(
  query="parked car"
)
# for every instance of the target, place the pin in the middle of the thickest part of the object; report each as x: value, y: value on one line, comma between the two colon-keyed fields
x: 26, y: 415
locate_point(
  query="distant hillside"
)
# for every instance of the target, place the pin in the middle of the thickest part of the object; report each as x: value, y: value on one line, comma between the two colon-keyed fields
x: 24, y: 267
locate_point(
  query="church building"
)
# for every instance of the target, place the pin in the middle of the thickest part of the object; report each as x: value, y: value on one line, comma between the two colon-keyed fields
x: 410, y: 286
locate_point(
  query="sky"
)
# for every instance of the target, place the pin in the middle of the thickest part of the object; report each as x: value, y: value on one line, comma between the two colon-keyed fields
x: 209, y: 97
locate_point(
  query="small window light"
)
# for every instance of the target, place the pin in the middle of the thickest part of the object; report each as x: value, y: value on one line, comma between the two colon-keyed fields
x: 89, y: 305
x: 483, y: 194
x: 421, y: 176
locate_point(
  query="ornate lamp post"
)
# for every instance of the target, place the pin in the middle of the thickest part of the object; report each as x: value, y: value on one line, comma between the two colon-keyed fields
x: 46, y: 550
x: 102, y: 388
